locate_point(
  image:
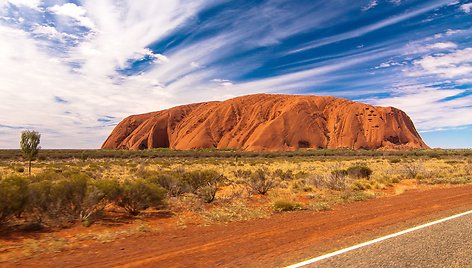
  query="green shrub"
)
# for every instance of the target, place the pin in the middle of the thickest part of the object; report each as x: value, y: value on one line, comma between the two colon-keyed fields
x: 70, y: 194
x: 111, y: 189
x: 242, y: 174
x: 286, y: 205
x: 339, y: 173
x: 203, y: 183
x: 139, y: 195
x: 93, y: 204
x: 208, y: 193
x: 361, y: 184
x: 171, y: 183
x: 41, y: 202
x: 260, y: 182
x: 13, y: 197
x: 413, y: 169
x: 50, y: 174
x: 284, y: 175
x: 20, y: 169
x: 194, y: 180
x: 297, y: 185
x: 357, y: 196
x: 332, y: 182
x: 395, y: 160
x: 358, y: 172
x: 70, y: 198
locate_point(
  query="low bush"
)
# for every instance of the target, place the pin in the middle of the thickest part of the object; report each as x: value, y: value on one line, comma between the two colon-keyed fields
x: 242, y: 174
x: 336, y: 183
x: 20, y: 169
x: 195, y: 180
x: 468, y: 169
x: 58, y: 199
x: 41, y: 201
x: 332, y: 182
x: 362, y: 184
x: 110, y: 188
x: 286, y: 205
x: 260, y: 182
x: 13, y: 197
x: 413, y: 169
x: 299, y: 185
x: 201, y: 183
x: 138, y: 195
x: 358, y: 172
x: 70, y: 194
x: 320, y: 206
x: 171, y: 183
x: 208, y: 193
x: 68, y: 199
x: 357, y: 196
x: 339, y: 173
x: 283, y: 175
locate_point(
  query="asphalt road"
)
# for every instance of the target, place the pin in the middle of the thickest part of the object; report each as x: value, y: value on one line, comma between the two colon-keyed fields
x: 447, y: 244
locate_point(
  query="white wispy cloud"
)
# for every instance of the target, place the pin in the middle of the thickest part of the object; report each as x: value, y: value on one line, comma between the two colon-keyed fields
x: 467, y: 8
x: 33, y: 4
x: 147, y: 53
x: 370, y: 5
x: 374, y: 3
x: 442, y: 45
x: 451, y: 65
x: 75, y: 12
x: 453, y: 32
x: 429, y: 107
x: 51, y: 33
x: 464, y: 81
x: 388, y: 64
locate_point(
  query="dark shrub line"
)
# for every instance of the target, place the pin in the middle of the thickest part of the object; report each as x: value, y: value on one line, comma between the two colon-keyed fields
x: 63, y: 199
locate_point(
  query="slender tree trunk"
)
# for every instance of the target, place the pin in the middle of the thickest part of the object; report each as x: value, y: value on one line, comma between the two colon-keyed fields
x: 29, y: 168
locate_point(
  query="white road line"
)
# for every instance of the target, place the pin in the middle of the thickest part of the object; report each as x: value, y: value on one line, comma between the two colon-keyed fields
x: 342, y: 251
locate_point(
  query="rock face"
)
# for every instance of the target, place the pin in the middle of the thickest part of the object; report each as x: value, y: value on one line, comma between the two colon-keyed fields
x: 266, y: 122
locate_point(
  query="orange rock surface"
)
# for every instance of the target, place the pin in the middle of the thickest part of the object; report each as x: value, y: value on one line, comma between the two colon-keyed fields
x: 266, y: 122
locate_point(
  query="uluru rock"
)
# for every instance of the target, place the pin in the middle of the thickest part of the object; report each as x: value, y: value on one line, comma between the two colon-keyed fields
x: 268, y: 122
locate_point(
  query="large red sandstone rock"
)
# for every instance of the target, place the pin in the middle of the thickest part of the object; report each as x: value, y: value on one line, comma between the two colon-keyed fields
x: 265, y: 122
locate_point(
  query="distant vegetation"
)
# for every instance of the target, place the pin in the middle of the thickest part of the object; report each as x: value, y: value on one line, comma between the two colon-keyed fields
x: 68, y: 186
x: 214, y: 153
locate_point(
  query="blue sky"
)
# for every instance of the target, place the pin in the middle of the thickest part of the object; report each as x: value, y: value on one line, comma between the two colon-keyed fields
x: 73, y: 69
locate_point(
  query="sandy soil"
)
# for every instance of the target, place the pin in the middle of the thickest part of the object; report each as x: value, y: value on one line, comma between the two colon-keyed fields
x: 280, y: 240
